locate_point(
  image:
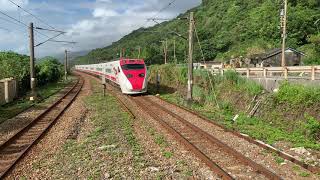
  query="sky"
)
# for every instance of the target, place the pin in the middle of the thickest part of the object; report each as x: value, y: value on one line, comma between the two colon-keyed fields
x: 90, y: 23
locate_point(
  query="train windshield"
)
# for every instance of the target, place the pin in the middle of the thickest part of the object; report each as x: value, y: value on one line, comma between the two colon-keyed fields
x: 133, y: 66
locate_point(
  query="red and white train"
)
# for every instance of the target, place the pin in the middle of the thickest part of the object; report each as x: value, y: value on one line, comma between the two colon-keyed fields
x: 129, y: 74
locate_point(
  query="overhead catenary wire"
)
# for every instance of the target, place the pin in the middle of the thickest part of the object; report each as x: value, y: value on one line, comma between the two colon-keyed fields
x: 20, y: 22
x: 27, y: 11
x: 160, y: 11
x: 204, y: 61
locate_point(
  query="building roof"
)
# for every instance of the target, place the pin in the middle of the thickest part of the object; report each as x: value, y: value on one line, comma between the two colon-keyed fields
x: 279, y: 50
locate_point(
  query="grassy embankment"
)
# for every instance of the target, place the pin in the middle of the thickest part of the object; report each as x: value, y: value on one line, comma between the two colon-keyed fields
x: 10, y: 110
x: 291, y: 115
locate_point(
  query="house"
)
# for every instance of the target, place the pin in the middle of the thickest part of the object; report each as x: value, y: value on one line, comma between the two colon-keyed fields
x: 273, y: 58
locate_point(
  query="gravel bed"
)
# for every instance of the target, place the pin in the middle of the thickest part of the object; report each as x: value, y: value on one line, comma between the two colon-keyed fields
x: 33, y: 165
x: 287, y: 169
x: 230, y: 164
x: 171, y: 167
x: 13, y: 125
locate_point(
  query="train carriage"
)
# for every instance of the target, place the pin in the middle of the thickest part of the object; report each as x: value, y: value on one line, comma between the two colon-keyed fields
x: 129, y: 74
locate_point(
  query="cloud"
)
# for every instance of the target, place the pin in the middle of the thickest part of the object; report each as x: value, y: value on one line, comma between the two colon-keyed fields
x: 111, y: 20
x: 93, y: 24
x: 100, y: 12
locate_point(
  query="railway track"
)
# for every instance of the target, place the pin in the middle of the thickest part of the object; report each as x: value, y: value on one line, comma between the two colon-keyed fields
x: 219, y: 157
x: 12, y: 150
x: 222, y: 159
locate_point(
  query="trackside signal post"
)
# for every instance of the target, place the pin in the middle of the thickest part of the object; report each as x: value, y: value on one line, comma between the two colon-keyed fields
x: 66, y: 65
x: 190, y: 61
x: 32, y: 70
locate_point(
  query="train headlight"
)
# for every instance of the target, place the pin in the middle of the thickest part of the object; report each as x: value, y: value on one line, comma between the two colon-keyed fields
x: 129, y: 75
x: 141, y: 75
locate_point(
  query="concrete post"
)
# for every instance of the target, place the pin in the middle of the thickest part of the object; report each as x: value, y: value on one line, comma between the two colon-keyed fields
x: 285, y: 72
x: 248, y: 73
x: 103, y: 82
x: 265, y: 72
x: 6, y: 91
x: 313, y: 73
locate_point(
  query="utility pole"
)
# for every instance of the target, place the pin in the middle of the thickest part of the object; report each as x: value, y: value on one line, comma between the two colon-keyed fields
x: 139, y: 52
x: 165, y: 50
x: 32, y: 70
x: 174, y: 51
x: 66, y: 65
x: 284, y: 32
x: 190, y: 63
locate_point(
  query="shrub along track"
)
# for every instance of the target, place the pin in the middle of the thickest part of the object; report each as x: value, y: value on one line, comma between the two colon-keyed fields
x: 12, y: 150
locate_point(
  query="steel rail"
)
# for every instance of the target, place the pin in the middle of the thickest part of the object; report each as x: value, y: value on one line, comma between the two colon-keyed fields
x: 259, y: 143
x: 259, y: 168
x: 212, y: 165
x: 12, y: 150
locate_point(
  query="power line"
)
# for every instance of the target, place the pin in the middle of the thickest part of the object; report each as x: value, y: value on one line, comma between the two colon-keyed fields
x: 161, y: 10
x: 164, y: 8
x: 20, y: 22
x: 5, y: 29
x: 16, y: 20
x: 27, y: 11
x: 7, y: 20
x: 204, y: 61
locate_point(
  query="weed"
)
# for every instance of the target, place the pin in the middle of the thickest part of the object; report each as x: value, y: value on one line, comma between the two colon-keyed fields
x: 297, y: 94
x: 304, y: 174
x: 188, y: 173
x: 160, y: 140
x: 167, y: 154
x: 296, y: 168
x: 312, y: 127
x: 278, y: 159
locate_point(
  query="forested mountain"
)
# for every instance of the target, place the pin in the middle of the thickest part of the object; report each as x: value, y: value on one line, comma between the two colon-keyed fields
x: 226, y: 28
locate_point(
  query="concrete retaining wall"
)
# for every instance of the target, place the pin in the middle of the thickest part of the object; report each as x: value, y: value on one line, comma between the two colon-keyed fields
x: 8, y: 90
x: 270, y: 84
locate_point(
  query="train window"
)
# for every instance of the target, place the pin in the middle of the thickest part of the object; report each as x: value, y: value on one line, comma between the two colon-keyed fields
x: 99, y: 69
x: 133, y: 66
x: 108, y: 70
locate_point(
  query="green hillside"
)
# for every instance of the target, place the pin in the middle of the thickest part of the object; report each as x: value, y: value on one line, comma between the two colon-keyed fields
x: 226, y: 28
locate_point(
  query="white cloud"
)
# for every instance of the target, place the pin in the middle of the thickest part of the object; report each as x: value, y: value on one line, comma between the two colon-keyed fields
x: 101, y: 22
x: 100, y: 12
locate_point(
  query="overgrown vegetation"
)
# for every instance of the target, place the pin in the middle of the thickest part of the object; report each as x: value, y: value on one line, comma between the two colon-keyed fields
x: 14, y: 65
x: 298, y: 94
x: 226, y: 29
x: 291, y: 115
x: 10, y: 110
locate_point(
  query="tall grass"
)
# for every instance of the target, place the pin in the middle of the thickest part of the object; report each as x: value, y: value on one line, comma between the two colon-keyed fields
x: 297, y: 94
x: 242, y: 84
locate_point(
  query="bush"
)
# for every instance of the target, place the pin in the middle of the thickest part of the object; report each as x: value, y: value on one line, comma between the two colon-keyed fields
x: 49, y: 70
x: 297, y: 94
x: 243, y: 84
x: 16, y: 66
